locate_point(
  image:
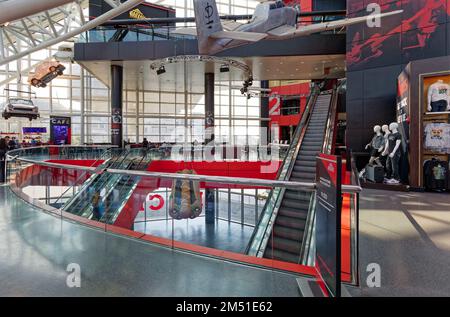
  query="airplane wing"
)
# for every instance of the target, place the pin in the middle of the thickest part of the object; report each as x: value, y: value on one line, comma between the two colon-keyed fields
x: 240, y: 36
x: 286, y: 32
x: 185, y: 31
x: 229, y: 25
x: 282, y: 30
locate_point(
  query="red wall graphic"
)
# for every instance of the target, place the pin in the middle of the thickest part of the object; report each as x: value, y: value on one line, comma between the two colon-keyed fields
x: 377, y: 56
x: 415, y: 27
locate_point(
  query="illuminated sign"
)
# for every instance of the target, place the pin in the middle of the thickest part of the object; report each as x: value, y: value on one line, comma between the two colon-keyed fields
x: 137, y: 14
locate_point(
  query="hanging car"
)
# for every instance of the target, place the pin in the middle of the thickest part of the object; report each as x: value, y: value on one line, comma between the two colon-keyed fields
x: 45, y: 73
x: 185, y: 201
x: 20, y: 107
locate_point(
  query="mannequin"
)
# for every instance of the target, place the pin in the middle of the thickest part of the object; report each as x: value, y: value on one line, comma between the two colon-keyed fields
x: 386, y: 132
x: 376, y: 146
x: 439, y: 97
x: 392, y: 149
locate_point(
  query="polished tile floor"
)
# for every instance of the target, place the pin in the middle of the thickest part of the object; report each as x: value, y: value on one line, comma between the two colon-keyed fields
x: 36, y: 249
x: 408, y: 235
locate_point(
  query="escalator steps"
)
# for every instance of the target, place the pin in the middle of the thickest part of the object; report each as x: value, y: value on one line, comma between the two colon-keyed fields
x: 287, y: 232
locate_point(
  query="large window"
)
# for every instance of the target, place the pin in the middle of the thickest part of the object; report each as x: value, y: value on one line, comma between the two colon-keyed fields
x: 175, y: 113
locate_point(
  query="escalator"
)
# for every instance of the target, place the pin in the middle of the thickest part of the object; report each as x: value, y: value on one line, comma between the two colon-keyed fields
x: 114, y: 202
x: 105, y: 185
x: 289, y: 227
x: 281, y: 235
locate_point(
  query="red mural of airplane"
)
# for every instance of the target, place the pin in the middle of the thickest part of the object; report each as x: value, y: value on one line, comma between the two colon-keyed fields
x: 425, y: 20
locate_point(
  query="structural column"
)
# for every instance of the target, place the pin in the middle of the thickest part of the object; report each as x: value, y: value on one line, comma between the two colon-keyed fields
x: 116, y: 105
x: 209, y: 108
x: 210, y: 210
x: 265, y: 113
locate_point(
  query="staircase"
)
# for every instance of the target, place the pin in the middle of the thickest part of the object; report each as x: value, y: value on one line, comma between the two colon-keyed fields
x: 287, y: 232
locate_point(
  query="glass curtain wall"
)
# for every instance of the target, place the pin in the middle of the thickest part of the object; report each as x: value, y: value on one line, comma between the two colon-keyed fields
x: 172, y: 114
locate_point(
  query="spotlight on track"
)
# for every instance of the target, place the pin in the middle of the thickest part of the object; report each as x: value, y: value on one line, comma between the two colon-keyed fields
x: 161, y: 70
x: 224, y: 68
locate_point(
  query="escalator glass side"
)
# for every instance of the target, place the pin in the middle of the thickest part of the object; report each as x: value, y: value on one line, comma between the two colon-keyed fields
x: 85, y: 196
x: 119, y: 195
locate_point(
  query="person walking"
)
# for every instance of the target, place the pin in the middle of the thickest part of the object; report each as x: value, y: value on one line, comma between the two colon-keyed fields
x: 3, y: 149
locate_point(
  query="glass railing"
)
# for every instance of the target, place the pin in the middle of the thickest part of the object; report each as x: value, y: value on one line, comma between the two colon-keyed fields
x: 135, y: 33
x: 207, y: 214
x: 61, y: 170
x: 95, y: 193
x: 156, y: 32
x: 60, y: 152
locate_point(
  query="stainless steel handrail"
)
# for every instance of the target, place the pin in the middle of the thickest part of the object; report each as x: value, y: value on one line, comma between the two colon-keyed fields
x: 196, y: 177
x: 61, y: 147
x: 57, y: 165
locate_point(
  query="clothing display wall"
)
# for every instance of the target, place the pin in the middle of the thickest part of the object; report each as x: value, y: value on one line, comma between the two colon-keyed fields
x: 423, y: 113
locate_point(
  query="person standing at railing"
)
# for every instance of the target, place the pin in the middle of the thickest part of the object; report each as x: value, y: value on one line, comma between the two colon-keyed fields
x: 96, y: 215
x: 3, y: 149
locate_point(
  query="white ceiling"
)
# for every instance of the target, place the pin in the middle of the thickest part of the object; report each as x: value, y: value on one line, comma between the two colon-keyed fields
x: 138, y: 75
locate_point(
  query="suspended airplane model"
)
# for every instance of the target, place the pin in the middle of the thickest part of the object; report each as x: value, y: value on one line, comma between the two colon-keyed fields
x: 271, y: 20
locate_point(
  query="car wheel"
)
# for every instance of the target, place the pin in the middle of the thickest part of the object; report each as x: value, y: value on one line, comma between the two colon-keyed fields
x: 52, y: 69
x: 34, y: 82
x: 59, y: 72
x: 43, y: 85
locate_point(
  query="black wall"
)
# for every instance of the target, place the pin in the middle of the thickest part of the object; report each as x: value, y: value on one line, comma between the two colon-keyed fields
x: 322, y: 5
x: 98, y: 7
x: 377, y: 56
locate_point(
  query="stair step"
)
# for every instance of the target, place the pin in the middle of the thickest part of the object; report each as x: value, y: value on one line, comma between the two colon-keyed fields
x: 286, y: 245
x: 290, y: 222
x: 301, y: 159
x: 311, y: 147
x: 288, y: 233
x: 281, y: 255
x: 304, y: 169
x: 303, y: 163
x: 295, y: 204
x: 293, y: 213
x: 309, y: 142
x: 309, y: 179
x: 303, y: 175
x: 307, y: 153
x: 300, y: 195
